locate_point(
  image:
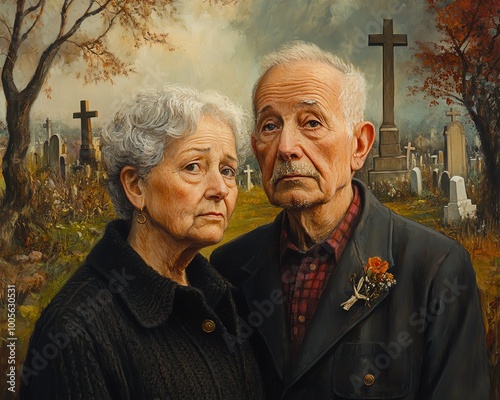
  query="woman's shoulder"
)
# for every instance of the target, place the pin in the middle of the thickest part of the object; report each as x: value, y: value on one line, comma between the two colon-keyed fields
x: 74, y: 299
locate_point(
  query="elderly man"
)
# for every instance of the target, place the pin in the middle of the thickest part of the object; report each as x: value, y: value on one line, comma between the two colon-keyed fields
x: 344, y: 299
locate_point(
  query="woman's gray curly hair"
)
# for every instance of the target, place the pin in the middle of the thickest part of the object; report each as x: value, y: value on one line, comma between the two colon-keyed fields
x: 145, y: 124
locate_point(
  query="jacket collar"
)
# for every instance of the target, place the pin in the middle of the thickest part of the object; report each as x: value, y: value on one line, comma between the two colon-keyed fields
x: 371, y: 237
x: 149, y: 296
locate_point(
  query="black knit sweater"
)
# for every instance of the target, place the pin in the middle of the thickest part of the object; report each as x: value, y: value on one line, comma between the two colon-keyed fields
x: 120, y: 330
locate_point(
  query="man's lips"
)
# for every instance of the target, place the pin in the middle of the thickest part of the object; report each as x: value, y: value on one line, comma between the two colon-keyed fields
x: 212, y: 214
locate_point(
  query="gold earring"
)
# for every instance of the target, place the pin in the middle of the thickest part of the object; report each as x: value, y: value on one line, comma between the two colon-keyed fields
x: 141, y: 217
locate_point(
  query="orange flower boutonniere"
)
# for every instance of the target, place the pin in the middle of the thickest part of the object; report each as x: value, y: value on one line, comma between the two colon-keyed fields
x: 372, y: 284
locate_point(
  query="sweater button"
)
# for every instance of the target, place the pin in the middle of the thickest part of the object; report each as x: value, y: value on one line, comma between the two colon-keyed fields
x: 368, y: 380
x: 208, y: 326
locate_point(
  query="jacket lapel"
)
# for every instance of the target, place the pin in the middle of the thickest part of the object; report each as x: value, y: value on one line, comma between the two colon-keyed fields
x: 372, y: 237
x: 263, y: 290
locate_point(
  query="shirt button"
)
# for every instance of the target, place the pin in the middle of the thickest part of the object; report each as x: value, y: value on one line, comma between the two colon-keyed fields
x: 313, y: 267
x: 301, y: 318
x: 368, y: 380
x: 208, y: 326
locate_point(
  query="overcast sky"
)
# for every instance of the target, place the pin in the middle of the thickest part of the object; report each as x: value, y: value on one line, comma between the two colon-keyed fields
x: 218, y: 47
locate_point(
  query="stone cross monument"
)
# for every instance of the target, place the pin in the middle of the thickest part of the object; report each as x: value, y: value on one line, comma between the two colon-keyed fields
x: 455, y: 155
x: 87, y: 151
x: 390, y: 163
x: 48, y: 128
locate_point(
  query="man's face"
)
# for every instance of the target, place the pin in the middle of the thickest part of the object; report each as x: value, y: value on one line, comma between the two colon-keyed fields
x: 301, y: 140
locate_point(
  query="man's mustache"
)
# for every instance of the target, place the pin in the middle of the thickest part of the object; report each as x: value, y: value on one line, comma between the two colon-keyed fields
x: 289, y: 168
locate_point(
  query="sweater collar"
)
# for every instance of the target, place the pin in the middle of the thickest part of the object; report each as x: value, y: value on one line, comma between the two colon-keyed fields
x: 149, y: 296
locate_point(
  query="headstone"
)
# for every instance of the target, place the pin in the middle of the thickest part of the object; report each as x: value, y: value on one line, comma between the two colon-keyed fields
x: 421, y: 164
x: 434, y: 159
x: 455, y: 156
x: 63, y: 166
x: 460, y: 206
x: 440, y: 157
x: 390, y: 164
x: 249, y: 171
x: 46, y: 154
x: 87, y: 151
x: 445, y: 184
x: 435, y: 178
x: 54, y: 151
x: 408, y: 149
x: 413, y: 161
x: 416, y: 181
x: 88, y: 171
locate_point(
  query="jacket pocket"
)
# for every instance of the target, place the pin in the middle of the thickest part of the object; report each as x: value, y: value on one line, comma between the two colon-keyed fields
x: 372, y: 371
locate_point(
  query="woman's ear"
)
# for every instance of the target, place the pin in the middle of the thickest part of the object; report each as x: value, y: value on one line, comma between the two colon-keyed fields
x: 133, y: 186
x: 364, y: 137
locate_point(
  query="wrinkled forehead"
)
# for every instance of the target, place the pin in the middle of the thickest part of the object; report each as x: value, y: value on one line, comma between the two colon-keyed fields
x: 299, y: 83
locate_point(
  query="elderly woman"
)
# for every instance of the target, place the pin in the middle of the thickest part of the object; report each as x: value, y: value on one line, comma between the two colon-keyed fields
x: 146, y: 316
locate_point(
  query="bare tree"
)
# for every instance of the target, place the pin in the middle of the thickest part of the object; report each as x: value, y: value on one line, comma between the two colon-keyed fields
x: 77, y: 30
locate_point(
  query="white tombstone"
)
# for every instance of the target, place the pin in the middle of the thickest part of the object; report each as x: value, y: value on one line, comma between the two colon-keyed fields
x: 249, y: 171
x: 416, y: 181
x: 459, y: 207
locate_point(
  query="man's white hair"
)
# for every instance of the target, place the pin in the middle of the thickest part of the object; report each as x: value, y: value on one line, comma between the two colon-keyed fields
x: 353, y: 85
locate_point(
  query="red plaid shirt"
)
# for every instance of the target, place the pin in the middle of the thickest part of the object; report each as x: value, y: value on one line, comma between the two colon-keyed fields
x: 306, y: 273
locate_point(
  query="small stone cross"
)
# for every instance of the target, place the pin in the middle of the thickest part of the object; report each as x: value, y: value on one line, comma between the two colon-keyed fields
x: 409, y: 149
x: 452, y: 113
x: 249, y: 171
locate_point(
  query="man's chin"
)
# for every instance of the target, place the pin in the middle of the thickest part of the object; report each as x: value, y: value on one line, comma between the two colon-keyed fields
x: 293, y: 201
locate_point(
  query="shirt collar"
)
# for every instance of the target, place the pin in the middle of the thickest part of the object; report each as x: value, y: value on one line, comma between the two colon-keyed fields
x: 147, y: 294
x: 338, y: 237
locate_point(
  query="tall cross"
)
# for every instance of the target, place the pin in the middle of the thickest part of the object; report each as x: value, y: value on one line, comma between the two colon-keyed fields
x: 409, y: 149
x: 48, y: 128
x: 388, y: 40
x: 452, y: 113
x: 248, y: 171
x: 87, y: 151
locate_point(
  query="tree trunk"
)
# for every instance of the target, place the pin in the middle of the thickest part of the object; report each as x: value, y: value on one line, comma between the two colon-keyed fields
x: 15, y: 225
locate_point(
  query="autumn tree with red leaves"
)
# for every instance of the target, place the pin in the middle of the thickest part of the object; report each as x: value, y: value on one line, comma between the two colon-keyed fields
x: 33, y: 36
x: 463, y: 67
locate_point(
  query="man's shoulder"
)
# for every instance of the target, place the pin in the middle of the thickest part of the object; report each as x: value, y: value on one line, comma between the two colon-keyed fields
x: 230, y: 257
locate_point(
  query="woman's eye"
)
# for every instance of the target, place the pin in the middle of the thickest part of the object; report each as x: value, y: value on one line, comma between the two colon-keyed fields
x: 193, y: 167
x: 229, y: 172
x: 269, y: 127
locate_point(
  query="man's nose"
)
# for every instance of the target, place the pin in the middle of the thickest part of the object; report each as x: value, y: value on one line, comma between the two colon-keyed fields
x: 289, y: 145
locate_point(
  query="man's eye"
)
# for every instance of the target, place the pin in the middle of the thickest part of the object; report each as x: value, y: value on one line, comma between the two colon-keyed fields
x: 312, y: 124
x: 229, y: 172
x: 193, y: 167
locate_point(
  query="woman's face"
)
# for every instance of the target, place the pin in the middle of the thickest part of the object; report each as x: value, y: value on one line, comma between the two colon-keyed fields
x: 191, y: 195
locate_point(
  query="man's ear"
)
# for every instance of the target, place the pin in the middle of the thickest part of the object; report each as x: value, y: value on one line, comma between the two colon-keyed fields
x: 364, y: 137
x: 133, y: 186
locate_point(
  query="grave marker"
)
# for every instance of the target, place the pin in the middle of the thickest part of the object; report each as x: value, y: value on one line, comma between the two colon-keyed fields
x: 249, y: 171
x: 389, y: 164
x: 416, y: 181
x: 460, y: 206
x: 87, y: 151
